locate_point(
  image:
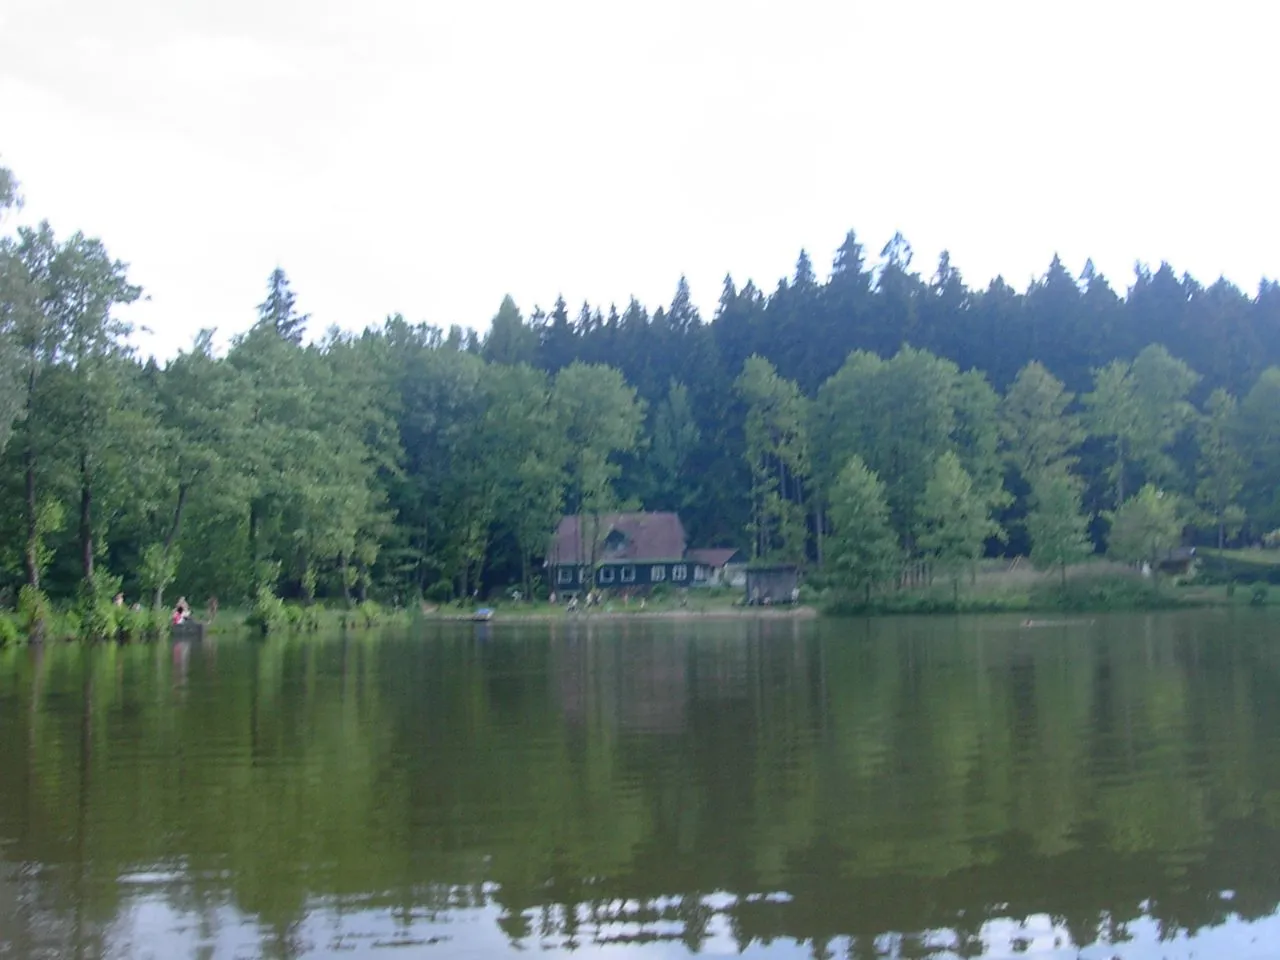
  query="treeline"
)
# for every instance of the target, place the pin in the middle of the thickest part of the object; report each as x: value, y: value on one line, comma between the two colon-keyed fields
x: 847, y: 425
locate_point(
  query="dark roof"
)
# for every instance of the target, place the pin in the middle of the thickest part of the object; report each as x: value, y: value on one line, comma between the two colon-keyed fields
x: 620, y: 536
x: 715, y: 556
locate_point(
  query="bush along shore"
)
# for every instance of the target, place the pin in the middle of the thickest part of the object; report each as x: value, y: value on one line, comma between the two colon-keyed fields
x: 95, y: 617
x: 1088, y: 588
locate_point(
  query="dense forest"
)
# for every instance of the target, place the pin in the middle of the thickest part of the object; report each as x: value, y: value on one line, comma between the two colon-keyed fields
x: 884, y: 414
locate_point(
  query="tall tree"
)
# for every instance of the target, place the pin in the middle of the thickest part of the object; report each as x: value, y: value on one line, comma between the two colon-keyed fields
x: 1220, y: 466
x: 279, y: 310
x: 601, y: 418
x: 1141, y: 408
x: 14, y: 300
x: 1146, y: 526
x: 777, y: 450
x: 1056, y: 523
x: 1036, y: 426
x: 957, y: 520
x: 510, y: 340
x: 864, y: 550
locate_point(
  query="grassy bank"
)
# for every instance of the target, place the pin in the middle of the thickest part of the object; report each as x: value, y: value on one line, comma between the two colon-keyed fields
x: 697, y: 604
x: 1095, y: 588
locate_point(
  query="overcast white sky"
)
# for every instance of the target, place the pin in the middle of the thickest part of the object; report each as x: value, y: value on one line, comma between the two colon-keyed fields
x: 428, y: 157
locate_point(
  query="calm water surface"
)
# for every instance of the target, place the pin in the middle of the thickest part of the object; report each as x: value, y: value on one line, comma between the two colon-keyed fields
x: 899, y: 788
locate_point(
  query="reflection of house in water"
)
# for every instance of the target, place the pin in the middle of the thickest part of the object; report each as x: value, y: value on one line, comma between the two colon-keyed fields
x: 644, y: 688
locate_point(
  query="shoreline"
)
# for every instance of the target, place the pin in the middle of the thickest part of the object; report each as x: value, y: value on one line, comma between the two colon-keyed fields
x: 607, y: 616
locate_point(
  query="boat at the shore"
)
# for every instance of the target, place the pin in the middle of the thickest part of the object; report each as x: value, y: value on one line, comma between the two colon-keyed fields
x: 188, y: 630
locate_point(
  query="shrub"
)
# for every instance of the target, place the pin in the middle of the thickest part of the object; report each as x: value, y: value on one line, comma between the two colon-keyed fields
x: 370, y: 612
x: 141, y: 624
x: 35, y: 614
x: 268, y: 613
x: 9, y: 632
x: 1102, y: 593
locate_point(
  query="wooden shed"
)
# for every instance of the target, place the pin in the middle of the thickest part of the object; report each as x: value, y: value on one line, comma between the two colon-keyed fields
x: 772, y: 585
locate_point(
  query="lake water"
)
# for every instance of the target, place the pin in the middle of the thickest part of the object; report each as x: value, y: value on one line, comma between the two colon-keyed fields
x: 895, y: 788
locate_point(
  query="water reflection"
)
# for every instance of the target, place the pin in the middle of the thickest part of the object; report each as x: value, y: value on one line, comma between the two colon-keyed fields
x: 889, y: 789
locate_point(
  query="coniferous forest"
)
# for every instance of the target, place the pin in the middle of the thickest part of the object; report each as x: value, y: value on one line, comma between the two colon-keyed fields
x: 885, y: 414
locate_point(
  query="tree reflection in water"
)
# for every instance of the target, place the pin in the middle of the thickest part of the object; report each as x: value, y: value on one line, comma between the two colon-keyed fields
x: 902, y: 788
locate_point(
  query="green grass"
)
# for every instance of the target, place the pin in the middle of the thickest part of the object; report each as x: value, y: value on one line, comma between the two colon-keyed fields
x: 1251, y: 555
x: 1094, y: 587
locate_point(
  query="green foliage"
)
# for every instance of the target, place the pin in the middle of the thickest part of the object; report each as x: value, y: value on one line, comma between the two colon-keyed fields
x: 1036, y: 427
x: 382, y: 463
x: 777, y: 451
x: 1258, y: 432
x: 1141, y: 408
x: 1100, y: 593
x: 1058, y: 529
x: 1258, y: 595
x: 1146, y: 526
x: 269, y: 614
x: 864, y: 550
x: 956, y: 520
x: 35, y: 612
x: 10, y: 632
x: 370, y: 613
x: 1220, y: 466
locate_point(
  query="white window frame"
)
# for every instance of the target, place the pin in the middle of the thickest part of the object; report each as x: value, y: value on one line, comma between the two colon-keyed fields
x: 699, y: 573
x: 564, y: 576
x: 657, y: 573
x: 604, y: 575
x: 680, y: 571
x: 629, y: 573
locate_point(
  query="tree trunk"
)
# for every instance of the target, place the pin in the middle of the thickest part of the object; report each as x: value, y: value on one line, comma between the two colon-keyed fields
x: 255, y: 521
x: 171, y: 538
x: 86, y: 520
x: 1120, y: 462
x: 819, y: 518
x: 32, y: 553
x: 346, y: 583
x: 308, y: 582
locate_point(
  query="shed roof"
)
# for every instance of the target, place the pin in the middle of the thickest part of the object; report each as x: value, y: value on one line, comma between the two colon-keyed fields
x: 715, y: 556
x: 639, y: 537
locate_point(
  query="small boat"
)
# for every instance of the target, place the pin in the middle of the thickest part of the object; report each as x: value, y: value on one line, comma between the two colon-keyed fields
x: 188, y: 630
x: 482, y: 615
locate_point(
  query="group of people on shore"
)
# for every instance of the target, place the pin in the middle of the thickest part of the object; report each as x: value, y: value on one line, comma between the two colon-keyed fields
x: 181, y: 610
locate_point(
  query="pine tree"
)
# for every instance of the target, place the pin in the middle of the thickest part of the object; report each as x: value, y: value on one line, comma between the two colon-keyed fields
x: 279, y: 310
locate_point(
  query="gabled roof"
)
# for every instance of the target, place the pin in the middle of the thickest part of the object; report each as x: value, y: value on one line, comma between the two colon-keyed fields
x: 643, y: 537
x: 716, y: 556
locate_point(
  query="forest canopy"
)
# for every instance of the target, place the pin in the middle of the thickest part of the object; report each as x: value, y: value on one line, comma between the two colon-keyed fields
x: 881, y: 415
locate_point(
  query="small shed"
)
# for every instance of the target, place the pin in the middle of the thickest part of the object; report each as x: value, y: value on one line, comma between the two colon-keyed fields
x: 721, y: 566
x: 775, y: 584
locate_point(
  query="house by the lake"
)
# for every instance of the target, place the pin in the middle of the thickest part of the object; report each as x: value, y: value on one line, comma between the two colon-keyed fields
x: 630, y: 552
x: 726, y: 566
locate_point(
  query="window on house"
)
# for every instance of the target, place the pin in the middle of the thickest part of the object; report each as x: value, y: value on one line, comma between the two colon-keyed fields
x: 699, y: 573
x: 628, y: 574
x: 564, y: 575
x: 657, y: 574
x: 680, y: 572
x: 605, y: 575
